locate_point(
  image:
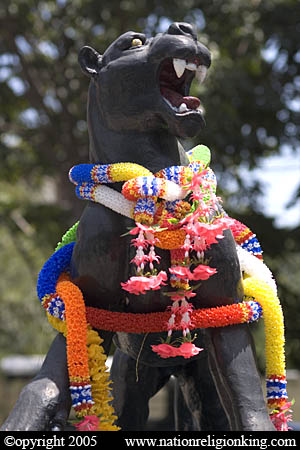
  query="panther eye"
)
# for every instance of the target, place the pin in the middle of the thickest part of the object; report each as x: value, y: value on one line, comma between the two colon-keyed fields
x: 136, y: 42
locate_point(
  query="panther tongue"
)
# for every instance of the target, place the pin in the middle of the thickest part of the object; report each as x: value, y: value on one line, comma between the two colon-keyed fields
x: 191, y: 102
x: 177, y: 99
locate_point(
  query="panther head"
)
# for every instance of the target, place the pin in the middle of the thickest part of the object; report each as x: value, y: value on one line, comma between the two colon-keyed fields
x: 143, y: 84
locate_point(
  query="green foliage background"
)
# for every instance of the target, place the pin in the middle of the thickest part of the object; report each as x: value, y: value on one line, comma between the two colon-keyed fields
x: 251, y: 113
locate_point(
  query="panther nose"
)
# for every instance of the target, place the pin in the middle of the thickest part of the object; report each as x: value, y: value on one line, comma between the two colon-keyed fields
x: 186, y: 29
x: 182, y: 28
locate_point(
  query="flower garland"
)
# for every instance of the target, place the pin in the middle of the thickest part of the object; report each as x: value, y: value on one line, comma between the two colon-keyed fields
x: 275, y: 356
x: 66, y: 312
x: 261, y: 298
x: 246, y: 239
x: 89, y: 379
x: 253, y: 266
x: 221, y: 316
x: 275, y: 360
x: 170, y: 186
x: 68, y: 237
x: 164, y: 220
x: 173, y: 210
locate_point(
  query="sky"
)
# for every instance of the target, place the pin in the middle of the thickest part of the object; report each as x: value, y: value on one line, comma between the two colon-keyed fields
x: 280, y: 177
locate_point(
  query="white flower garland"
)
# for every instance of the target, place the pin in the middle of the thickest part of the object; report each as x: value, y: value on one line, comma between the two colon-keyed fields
x: 114, y: 200
x: 254, y: 267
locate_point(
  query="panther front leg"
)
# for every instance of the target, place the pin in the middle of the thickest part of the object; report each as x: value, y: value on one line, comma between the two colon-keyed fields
x: 133, y: 388
x: 45, y: 402
x: 233, y: 367
x: 231, y: 349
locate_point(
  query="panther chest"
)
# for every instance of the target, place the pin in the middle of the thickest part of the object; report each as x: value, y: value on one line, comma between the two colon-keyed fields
x: 101, y: 262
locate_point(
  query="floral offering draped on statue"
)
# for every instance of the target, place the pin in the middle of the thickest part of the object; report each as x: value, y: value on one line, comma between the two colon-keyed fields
x: 187, y: 228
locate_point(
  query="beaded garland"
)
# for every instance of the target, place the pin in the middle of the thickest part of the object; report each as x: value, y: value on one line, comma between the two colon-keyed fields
x: 182, y: 226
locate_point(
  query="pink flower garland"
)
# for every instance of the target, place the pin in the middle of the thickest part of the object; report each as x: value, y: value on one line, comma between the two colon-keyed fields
x: 151, y: 281
x: 201, y: 233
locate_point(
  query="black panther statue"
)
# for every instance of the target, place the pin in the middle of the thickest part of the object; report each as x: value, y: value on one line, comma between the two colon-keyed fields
x: 138, y: 105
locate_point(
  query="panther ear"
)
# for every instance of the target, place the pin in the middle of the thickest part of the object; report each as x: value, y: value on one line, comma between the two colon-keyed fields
x: 90, y: 61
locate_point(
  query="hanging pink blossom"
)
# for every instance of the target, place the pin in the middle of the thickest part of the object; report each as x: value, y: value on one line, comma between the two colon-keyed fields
x: 176, y: 297
x: 140, y: 284
x: 157, y: 281
x: 181, y: 272
x: 187, y: 244
x: 200, y: 234
x: 227, y: 222
x: 140, y: 258
x: 89, y: 423
x: 199, y: 244
x: 185, y: 307
x: 209, y: 231
x: 139, y: 227
x: 185, y: 322
x: 280, y: 419
x: 189, y: 294
x: 165, y: 350
x: 138, y: 242
x: 171, y: 321
x: 152, y: 256
x: 137, y: 285
x: 202, y: 272
x: 188, y: 349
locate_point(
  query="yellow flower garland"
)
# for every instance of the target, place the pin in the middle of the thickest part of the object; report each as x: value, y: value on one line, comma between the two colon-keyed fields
x: 127, y: 171
x: 274, y: 325
x: 274, y: 330
x: 100, y: 383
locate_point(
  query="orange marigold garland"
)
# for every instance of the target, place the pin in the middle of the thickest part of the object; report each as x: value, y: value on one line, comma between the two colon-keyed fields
x: 220, y: 316
x: 89, y: 380
x: 76, y: 320
x: 79, y: 376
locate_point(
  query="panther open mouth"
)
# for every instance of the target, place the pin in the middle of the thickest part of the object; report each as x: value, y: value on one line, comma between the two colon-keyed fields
x: 175, y: 78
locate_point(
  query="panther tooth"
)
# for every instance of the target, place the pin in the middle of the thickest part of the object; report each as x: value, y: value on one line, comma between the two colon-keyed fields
x: 179, y: 66
x: 191, y: 66
x: 183, y: 107
x: 201, y: 73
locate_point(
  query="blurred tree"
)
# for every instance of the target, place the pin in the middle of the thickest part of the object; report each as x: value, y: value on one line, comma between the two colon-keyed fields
x: 251, y: 99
